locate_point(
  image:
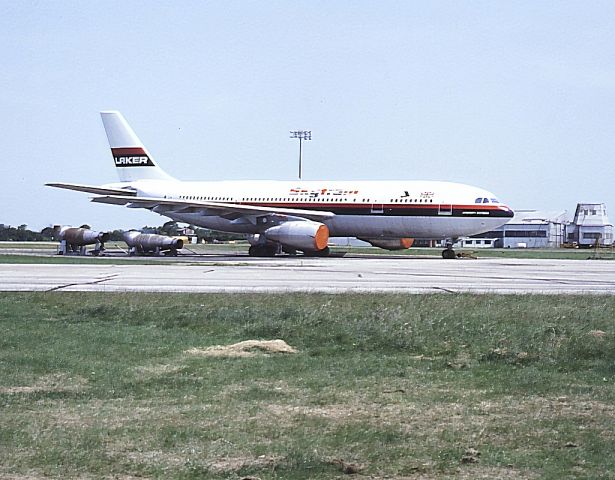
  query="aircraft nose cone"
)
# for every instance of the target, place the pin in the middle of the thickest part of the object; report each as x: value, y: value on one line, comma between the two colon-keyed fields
x: 508, y: 213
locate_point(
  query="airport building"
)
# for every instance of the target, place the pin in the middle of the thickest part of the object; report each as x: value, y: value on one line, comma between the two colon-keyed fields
x: 543, y: 229
x: 527, y: 229
x: 590, y: 226
x: 534, y: 229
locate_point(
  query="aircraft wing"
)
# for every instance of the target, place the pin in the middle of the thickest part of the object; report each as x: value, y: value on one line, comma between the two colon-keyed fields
x: 222, y: 209
x: 93, y: 189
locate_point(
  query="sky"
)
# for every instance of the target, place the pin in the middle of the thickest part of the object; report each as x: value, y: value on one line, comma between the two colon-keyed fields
x: 514, y: 97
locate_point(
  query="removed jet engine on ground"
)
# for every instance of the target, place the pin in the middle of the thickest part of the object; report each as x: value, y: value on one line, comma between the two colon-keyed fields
x: 151, y: 244
x: 73, y: 240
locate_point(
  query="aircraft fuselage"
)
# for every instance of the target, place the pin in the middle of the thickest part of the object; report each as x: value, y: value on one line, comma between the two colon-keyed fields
x: 394, y: 209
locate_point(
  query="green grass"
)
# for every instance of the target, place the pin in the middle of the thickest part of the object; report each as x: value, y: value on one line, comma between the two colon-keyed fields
x: 29, y: 245
x: 99, y: 385
x: 242, y: 248
x: 531, y: 253
x: 74, y: 260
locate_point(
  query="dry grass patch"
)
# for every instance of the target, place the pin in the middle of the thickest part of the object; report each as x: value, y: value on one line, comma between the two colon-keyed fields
x: 234, y: 464
x: 108, y: 414
x: 247, y: 348
x: 55, y: 382
x: 337, y: 413
x: 155, y: 371
x: 476, y: 472
x: 228, y: 392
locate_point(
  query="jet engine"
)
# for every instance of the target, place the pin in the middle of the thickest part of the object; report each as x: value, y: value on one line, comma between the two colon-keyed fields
x: 390, y: 243
x: 74, y: 240
x: 142, y: 243
x: 306, y: 236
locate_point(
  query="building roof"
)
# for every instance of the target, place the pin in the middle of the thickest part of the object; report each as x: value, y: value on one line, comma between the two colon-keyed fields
x: 591, y: 214
x: 540, y: 217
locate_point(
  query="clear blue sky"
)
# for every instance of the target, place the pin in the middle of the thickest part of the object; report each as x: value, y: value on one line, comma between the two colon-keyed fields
x: 516, y: 97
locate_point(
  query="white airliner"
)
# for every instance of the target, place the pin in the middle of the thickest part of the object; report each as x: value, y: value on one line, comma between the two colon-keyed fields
x: 297, y: 215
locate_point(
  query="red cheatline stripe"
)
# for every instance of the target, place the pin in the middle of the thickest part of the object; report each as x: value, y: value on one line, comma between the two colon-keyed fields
x: 367, y: 205
x: 128, y: 151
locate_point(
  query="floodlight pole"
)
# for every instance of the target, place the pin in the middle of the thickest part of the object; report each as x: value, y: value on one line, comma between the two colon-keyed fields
x: 301, y: 135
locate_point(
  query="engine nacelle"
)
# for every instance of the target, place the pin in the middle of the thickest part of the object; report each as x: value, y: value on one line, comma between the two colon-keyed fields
x: 302, y: 235
x: 81, y: 236
x: 390, y: 243
x: 149, y: 242
x: 73, y: 240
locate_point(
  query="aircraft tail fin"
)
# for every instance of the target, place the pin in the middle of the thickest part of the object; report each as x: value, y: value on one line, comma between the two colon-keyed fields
x: 131, y: 158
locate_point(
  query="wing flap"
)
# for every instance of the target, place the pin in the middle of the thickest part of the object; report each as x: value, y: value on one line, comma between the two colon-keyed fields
x: 218, y: 208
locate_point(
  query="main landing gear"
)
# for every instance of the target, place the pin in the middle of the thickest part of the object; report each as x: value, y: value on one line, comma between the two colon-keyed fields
x: 448, y: 253
x: 263, y: 250
x: 320, y: 253
x: 272, y: 250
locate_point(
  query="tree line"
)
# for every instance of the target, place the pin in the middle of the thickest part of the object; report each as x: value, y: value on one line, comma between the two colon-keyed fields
x: 48, y: 234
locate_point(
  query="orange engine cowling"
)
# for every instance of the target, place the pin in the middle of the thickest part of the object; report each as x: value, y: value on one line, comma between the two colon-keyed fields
x: 303, y: 235
x: 390, y: 243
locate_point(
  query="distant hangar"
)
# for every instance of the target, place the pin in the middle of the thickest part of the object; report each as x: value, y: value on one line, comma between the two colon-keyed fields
x: 543, y: 229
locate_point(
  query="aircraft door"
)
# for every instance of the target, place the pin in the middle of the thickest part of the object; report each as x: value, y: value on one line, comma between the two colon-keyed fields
x: 445, y: 209
x: 377, y: 208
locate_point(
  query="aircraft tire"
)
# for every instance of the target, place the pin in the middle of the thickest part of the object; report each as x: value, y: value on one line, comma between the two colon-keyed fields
x: 448, y: 254
x: 262, y: 251
x: 320, y: 253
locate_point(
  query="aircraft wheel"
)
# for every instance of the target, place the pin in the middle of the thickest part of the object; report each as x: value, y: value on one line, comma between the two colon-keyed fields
x: 262, y: 251
x: 448, y: 254
x: 320, y: 253
x: 289, y: 250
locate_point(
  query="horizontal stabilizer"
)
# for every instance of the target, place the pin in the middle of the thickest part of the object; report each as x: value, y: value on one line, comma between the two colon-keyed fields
x: 93, y: 189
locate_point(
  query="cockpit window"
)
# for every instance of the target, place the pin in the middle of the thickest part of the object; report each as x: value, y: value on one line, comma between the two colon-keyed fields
x: 494, y: 200
x: 485, y: 200
x: 478, y: 200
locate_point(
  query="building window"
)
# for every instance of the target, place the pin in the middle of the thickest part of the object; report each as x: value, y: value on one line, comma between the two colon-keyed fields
x: 526, y: 234
x: 592, y: 235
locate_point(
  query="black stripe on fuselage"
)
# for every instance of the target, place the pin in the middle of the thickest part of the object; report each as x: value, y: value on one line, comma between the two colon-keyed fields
x: 389, y: 210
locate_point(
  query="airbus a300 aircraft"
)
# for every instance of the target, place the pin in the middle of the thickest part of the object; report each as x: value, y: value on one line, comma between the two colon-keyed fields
x: 297, y: 215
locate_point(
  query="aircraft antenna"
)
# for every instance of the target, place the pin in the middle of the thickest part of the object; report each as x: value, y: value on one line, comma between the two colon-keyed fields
x: 301, y: 135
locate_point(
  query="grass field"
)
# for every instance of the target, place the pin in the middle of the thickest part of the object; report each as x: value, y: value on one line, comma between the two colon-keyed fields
x: 14, y: 259
x: 387, y: 386
x: 34, y: 252
x: 538, y: 253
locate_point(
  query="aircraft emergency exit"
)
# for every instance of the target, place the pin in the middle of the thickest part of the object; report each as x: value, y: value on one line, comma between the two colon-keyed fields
x: 296, y: 215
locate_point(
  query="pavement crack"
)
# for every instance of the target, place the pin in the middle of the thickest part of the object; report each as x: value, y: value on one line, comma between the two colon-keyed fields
x: 93, y: 282
x: 445, y: 290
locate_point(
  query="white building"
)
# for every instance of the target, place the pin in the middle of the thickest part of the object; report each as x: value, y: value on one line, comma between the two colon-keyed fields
x: 527, y: 229
x: 590, y: 226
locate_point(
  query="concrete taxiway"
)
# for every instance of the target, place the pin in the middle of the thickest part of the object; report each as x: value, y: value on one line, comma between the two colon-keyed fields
x: 335, y: 275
